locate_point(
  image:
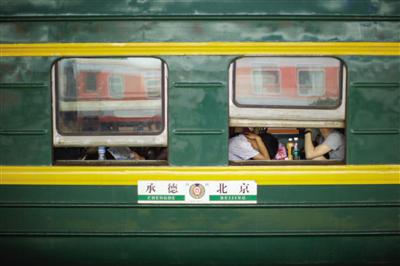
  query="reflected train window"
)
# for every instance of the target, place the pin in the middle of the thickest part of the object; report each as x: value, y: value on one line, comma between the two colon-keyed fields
x: 115, y: 87
x: 91, y: 82
x: 311, y: 82
x: 265, y: 81
x: 153, y: 88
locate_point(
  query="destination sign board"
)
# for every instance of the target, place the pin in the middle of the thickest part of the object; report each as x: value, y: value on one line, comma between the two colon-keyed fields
x: 193, y: 192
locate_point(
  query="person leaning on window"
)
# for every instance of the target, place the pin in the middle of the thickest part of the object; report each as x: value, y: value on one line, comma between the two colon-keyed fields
x: 331, y: 145
x: 252, y: 146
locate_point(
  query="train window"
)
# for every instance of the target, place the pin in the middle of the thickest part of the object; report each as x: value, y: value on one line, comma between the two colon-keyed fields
x: 115, y: 87
x: 153, y: 88
x: 98, y: 100
x: 91, y: 82
x: 278, y: 141
x: 311, y: 82
x: 265, y: 78
x: 265, y: 81
x: 287, y: 92
x: 282, y: 96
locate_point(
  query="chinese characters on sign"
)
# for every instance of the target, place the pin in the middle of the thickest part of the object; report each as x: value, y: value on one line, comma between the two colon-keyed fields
x: 214, y: 192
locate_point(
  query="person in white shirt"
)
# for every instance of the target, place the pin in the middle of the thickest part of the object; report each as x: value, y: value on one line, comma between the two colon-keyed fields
x: 252, y: 146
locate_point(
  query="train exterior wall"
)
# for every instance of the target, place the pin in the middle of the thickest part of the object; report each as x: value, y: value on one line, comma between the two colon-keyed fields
x: 340, y: 214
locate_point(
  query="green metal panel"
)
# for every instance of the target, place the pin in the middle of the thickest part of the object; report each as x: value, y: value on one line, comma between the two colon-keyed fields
x: 224, y: 220
x: 198, y: 110
x: 280, y: 209
x: 373, y: 110
x: 201, y: 250
x: 199, y: 8
x: 25, y: 116
x: 273, y: 195
x: 104, y: 225
x: 199, y: 31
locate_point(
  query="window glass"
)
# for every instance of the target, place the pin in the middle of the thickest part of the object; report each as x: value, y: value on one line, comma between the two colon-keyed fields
x: 109, y: 96
x: 153, y: 87
x: 115, y: 87
x: 265, y: 81
x: 305, y: 82
x: 311, y: 82
x: 91, y: 82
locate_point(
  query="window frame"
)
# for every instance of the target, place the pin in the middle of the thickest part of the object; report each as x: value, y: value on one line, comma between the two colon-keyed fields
x: 241, y: 115
x: 95, y: 139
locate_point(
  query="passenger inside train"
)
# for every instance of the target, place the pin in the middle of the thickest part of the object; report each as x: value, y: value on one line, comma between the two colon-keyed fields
x: 292, y: 143
x: 330, y: 145
x: 252, y: 146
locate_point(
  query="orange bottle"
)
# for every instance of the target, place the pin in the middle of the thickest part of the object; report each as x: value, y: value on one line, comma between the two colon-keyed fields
x: 289, y: 147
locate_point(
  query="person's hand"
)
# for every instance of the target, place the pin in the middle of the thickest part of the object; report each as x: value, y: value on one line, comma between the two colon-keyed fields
x: 250, y: 135
x: 135, y: 156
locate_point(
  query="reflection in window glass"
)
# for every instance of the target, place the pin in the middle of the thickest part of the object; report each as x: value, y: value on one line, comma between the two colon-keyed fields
x: 153, y: 88
x: 265, y: 81
x: 91, y: 82
x: 312, y: 82
x: 115, y: 87
x: 103, y: 96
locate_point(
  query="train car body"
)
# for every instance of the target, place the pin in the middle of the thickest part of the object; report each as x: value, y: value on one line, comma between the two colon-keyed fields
x: 199, y: 70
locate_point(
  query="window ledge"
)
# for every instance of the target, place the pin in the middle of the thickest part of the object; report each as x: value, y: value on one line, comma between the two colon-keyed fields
x: 110, y: 163
x: 285, y: 162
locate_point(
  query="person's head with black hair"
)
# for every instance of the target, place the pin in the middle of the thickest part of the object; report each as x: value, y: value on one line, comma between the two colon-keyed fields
x: 252, y: 146
x: 271, y: 143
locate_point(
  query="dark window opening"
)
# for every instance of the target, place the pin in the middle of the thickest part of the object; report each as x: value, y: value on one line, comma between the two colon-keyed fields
x: 282, y: 154
x: 91, y: 82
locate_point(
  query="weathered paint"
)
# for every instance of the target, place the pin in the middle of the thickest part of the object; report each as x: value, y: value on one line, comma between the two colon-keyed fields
x: 198, y: 110
x: 198, y: 8
x: 26, y: 83
x: 373, y: 110
x: 213, y: 30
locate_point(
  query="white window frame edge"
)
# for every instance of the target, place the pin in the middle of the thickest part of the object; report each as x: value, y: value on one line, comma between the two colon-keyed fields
x: 287, y: 117
x: 160, y: 140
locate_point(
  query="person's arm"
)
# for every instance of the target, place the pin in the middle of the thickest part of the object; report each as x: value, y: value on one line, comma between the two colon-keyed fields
x: 135, y: 156
x: 314, y: 153
x: 263, y: 155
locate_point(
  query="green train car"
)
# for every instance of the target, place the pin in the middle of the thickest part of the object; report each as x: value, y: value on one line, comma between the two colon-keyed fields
x: 162, y: 85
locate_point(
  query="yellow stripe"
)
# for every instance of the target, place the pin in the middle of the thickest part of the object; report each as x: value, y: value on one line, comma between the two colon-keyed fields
x: 201, y: 48
x: 263, y: 175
